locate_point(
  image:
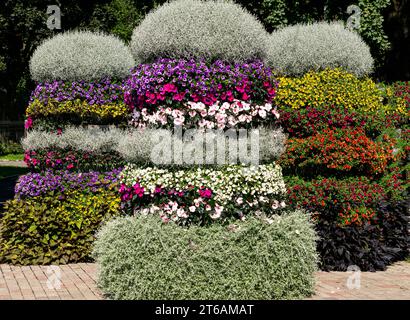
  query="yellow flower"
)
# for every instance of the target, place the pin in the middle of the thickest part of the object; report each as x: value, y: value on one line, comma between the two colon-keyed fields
x: 333, y: 87
x: 78, y: 107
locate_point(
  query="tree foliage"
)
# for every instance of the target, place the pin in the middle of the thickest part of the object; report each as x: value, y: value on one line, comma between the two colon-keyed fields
x: 23, y: 27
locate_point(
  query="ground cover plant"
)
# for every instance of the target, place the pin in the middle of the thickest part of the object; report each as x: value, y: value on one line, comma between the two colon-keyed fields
x: 252, y: 259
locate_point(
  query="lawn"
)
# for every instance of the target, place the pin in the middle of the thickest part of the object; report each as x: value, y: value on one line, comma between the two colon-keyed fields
x: 12, y: 157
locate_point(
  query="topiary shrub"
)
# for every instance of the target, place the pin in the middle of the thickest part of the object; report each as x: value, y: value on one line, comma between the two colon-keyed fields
x: 80, y: 55
x: 297, y: 49
x: 199, y: 29
x: 54, y: 228
x: 142, y: 258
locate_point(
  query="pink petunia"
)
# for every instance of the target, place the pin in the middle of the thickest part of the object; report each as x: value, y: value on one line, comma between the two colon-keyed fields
x: 179, y: 96
x: 205, y: 193
x: 28, y: 123
x: 170, y: 87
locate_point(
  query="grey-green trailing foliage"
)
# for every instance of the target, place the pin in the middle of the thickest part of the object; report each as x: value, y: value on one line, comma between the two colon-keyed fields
x: 143, y: 258
x: 135, y: 145
x: 80, y: 55
x: 297, y: 49
x: 199, y: 29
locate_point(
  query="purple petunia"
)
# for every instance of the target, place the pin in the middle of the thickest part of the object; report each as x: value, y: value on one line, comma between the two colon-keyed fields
x: 36, y: 184
x: 93, y: 93
x: 197, y: 80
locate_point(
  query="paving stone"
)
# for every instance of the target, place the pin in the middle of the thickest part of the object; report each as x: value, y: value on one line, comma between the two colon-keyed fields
x: 77, y: 282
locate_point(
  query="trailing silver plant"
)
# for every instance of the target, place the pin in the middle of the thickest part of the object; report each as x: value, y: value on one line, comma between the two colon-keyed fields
x: 278, y: 257
x: 158, y: 146
x: 296, y: 50
x: 272, y: 143
x: 135, y: 145
x: 81, y: 55
x: 199, y: 29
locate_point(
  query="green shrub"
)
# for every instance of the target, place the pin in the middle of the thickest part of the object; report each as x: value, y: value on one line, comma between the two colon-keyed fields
x: 10, y: 147
x: 142, y: 258
x: 54, y: 228
x: 80, y: 55
x: 298, y: 49
x: 199, y: 29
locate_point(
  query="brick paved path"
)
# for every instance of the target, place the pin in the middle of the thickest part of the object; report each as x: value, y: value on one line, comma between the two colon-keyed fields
x: 40, y: 282
x: 394, y: 283
x: 13, y: 163
x: 78, y: 282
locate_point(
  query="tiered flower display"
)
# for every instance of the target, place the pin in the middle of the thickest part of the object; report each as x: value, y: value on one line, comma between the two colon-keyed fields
x: 226, y: 87
x: 345, y: 163
x: 96, y: 119
x: 204, y: 95
x: 61, y: 203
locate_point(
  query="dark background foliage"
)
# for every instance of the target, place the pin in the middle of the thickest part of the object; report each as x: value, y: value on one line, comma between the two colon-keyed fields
x: 384, y: 26
x: 370, y: 247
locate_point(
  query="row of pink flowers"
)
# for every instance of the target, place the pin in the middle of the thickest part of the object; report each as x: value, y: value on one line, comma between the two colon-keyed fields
x: 171, y: 205
x: 197, y: 114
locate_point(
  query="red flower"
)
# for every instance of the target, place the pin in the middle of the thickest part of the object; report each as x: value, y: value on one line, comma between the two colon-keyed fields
x: 170, y: 87
x: 28, y: 123
x: 179, y: 96
x: 205, y: 193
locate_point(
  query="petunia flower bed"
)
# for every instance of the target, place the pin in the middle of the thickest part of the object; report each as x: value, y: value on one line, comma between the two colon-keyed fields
x: 77, y: 102
x: 36, y: 184
x: 66, y: 159
x: 173, y: 81
x: 203, y: 195
x: 194, y: 93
